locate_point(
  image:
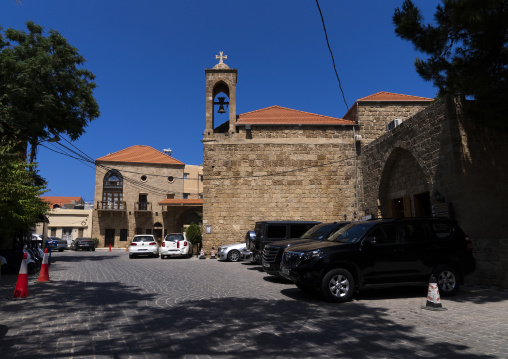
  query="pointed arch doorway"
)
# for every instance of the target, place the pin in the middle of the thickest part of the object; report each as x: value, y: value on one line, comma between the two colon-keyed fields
x: 403, y: 189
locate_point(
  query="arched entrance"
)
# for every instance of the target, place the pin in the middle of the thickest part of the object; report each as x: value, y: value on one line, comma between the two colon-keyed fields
x: 157, y: 231
x: 403, y: 189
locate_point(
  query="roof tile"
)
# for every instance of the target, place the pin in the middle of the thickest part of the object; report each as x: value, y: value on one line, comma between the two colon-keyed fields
x: 174, y: 202
x: 140, y: 154
x: 277, y: 115
x: 390, y: 96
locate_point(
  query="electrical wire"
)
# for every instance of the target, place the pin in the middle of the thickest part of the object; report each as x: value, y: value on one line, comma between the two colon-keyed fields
x: 331, y: 53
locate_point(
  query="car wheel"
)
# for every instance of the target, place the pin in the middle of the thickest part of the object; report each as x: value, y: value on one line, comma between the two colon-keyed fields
x: 338, y: 286
x: 93, y: 249
x: 60, y: 250
x: 448, y: 280
x: 233, y: 256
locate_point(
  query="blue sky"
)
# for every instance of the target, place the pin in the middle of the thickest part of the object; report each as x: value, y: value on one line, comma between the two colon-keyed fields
x: 149, y: 59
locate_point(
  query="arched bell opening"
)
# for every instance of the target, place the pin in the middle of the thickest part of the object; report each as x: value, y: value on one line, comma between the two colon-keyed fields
x: 221, y: 107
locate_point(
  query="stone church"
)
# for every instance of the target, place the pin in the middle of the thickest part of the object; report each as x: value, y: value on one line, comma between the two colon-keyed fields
x: 391, y: 155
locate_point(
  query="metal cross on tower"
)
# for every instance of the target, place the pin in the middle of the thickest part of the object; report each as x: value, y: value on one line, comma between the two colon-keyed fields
x: 220, y: 57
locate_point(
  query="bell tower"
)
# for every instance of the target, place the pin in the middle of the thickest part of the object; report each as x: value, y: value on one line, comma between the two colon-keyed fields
x: 220, y: 99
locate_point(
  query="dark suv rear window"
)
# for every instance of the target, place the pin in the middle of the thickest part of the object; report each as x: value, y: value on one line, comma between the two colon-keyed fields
x: 296, y: 230
x: 277, y: 231
x: 442, y: 230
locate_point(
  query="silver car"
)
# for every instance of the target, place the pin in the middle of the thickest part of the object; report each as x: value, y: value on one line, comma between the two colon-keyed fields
x: 61, y: 244
x: 143, y: 245
x: 230, y: 252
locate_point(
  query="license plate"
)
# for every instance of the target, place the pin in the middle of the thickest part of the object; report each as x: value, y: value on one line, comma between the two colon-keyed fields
x: 285, y: 271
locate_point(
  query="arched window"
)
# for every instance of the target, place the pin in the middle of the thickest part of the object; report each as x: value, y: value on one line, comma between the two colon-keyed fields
x: 112, y: 191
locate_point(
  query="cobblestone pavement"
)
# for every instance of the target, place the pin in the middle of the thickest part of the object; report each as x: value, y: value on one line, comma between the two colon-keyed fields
x: 103, y: 305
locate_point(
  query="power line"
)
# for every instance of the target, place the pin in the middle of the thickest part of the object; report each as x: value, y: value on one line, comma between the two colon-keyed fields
x: 331, y: 53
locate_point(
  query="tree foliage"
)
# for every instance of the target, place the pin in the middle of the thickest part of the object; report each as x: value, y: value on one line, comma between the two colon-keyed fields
x: 20, y: 190
x: 44, y: 91
x: 466, y: 52
x: 193, y: 233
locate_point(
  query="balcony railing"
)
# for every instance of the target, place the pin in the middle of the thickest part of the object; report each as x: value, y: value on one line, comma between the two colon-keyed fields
x: 111, y: 206
x: 143, y: 206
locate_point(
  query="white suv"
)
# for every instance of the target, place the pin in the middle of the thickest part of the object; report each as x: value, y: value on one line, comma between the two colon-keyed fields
x: 176, y: 244
x: 143, y: 244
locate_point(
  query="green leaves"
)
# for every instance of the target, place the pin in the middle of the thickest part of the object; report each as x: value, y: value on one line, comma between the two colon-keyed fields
x: 466, y: 52
x: 43, y: 89
x: 20, y: 188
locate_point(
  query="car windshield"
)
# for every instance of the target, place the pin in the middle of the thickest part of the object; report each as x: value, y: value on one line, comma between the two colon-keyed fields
x: 350, y: 233
x: 174, y: 237
x: 319, y: 232
x: 143, y: 239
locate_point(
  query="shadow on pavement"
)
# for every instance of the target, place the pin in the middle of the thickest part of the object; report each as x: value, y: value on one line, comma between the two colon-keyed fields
x: 117, y: 320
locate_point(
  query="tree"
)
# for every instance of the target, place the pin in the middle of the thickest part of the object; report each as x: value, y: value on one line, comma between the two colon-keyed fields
x: 20, y: 190
x: 193, y: 233
x: 467, y: 52
x: 44, y: 91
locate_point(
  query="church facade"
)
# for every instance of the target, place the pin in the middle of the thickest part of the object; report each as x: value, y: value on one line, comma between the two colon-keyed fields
x: 283, y: 164
x: 390, y: 155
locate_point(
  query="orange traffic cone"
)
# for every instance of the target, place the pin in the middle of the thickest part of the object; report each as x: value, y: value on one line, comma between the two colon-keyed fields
x: 44, y: 274
x: 212, y: 254
x: 110, y: 247
x: 202, y: 255
x: 21, y: 290
x: 433, y: 297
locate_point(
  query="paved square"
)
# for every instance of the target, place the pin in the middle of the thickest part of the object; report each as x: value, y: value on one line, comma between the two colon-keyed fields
x: 104, y: 305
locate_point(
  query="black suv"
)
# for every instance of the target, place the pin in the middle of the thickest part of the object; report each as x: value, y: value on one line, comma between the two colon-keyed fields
x: 272, y: 254
x: 382, y: 252
x: 272, y: 231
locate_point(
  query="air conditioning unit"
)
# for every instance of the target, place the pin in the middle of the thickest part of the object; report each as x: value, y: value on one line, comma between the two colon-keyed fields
x: 393, y: 124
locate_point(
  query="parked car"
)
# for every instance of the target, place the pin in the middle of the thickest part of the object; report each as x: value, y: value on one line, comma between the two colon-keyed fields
x: 50, y: 243
x: 61, y: 244
x: 143, y: 245
x: 382, y: 253
x: 83, y: 243
x: 272, y: 253
x: 230, y: 252
x: 272, y: 231
x: 176, y: 244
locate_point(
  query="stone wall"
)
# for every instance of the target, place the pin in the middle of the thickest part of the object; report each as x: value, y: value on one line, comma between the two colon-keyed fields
x: 299, y: 173
x: 157, y: 187
x: 463, y: 161
x: 374, y: 116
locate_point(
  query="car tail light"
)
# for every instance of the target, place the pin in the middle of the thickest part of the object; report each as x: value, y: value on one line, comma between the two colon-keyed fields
x: 153, y: 243
x: 164, y: 244
x: 177, y: 244
x: 134, y: 244
x: 185, y: 244
x: 469, y: 243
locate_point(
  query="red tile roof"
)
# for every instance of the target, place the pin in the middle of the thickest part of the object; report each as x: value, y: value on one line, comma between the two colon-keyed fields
x: 60, y: 201
x: 181, y: 202
x: 277, y: 115
x: 390, y: 96
x: 140, y: 154
x: 384, y: 96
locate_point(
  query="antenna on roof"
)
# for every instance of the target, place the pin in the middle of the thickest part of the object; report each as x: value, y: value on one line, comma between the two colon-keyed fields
x: 167, y: 151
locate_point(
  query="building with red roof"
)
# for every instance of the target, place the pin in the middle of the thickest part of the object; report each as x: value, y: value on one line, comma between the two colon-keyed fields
x: 140, y: 190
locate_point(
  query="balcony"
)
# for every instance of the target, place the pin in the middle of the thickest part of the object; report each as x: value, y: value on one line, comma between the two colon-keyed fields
x: 111, y: 207
x: 143, y: 208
